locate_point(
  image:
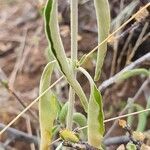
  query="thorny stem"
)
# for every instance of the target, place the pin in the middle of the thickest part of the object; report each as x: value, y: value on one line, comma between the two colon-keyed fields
x: 74, y: 47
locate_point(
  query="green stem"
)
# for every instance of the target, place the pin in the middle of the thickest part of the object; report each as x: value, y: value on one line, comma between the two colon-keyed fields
x: 74, y: 48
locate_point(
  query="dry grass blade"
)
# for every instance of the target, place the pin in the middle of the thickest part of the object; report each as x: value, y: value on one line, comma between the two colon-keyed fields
x: 120, y: 117
x: 19, y: 115
x: 111, y: 119
x: 112, y: 34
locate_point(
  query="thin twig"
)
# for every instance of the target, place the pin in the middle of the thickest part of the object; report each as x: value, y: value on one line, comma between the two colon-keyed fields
x: 116, y: 43
x: 127, y: 106
x: 79, y: 146
x: 111, y: 119
x: 112, y: 80
x: 19, y: 115
x: 124, y: 49
x: 3, y: 78
x: 22, y: 136
x: 29, y: 129
x: 119, y: 117
x: 19, y: 135
x: 27, y: 108
x: 137, y: 44
x: 112, y: 34
x: 116, y: 140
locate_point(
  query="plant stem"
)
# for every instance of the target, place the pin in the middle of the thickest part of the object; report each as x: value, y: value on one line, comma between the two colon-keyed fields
x: 74, y: 48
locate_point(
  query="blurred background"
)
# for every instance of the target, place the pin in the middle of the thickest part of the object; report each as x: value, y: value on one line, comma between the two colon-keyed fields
x: 23, y: 55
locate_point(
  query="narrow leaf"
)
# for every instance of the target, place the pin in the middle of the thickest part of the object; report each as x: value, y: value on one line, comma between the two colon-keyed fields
x: 142, y: 117
x: 95, y: 118
x: 57, y: 49
x: 95, y: 123
x: 131, y: 73
x: 47, y: 108
x: 78, y: 118
x: 148, y: 105
x: 63, y: 113
x: 103, y: 22
x: 125, y: 13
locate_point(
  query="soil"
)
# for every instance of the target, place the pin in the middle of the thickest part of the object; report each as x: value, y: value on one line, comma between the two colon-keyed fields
x: 23, y: 48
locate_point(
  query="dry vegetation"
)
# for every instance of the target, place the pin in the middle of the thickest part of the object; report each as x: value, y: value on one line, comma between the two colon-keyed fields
x: 23, y: 56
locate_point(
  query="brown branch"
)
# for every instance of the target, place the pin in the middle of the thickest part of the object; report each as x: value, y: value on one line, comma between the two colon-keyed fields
x: 116, y: 140
x: 79, y: 146
x: 22, y: 136
x: 19, y: 135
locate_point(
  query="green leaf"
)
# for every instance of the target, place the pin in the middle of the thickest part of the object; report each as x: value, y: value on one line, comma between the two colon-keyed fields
x: 103, y: 22
x: 48, y: 108
x: 57, y: 49
x: 95, y: 118
x: 130, y: 73
x: 55, y: 130
x: 148, y: 106
x: 131, y: 146
x: 125, y: 13
x: 81, y: 121
x: 130, y: 110
x: 95, y: 123
x: 142, y: 117
x: 63, y: 113
x: 78, y: 118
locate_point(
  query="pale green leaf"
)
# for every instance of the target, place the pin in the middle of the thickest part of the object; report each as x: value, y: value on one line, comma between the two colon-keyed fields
x: 130, y: 73
x: 125, y: 13
x: 48, y: 108
x: 142, y: 117
x: 63, y: 113
x: 78, y: 118
x: 95, y: 118
x: 103, y: 22
x: 148, y: 105
x: 95, y: 122
x: 130, y: 110
x: 81, y: 121
x: 57, y: 49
